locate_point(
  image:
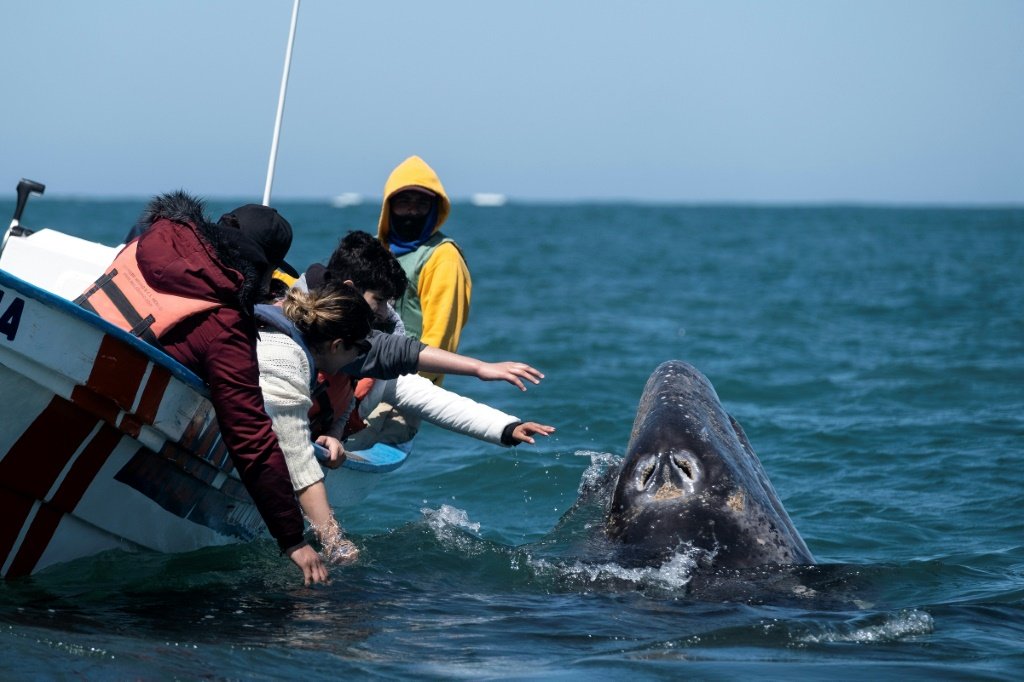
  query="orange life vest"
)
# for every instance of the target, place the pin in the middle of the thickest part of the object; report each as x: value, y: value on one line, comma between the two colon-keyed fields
x: 331, y: 400
x: 123, y: 297
x: 355, y: 422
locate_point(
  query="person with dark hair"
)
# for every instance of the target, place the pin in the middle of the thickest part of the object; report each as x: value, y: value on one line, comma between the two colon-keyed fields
x: 189, y: 286
x: 326, y: 331
x: 360, y: 257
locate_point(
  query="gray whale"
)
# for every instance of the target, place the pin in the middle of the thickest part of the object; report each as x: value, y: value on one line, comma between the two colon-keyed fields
x: 691, y: 479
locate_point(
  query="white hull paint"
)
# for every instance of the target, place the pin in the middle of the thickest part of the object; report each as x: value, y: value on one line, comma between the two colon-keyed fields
x: 106, y: 442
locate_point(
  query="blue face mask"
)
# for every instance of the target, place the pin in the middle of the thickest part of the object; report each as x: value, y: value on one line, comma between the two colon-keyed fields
x: 400, y: 246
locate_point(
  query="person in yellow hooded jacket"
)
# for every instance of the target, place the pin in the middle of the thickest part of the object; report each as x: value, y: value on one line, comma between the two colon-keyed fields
x: 435, y: 305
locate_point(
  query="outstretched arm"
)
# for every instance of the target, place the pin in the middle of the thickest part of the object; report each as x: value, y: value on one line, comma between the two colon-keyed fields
x: 391, y: 356
x: 417, y: 397
x: 441, y: 361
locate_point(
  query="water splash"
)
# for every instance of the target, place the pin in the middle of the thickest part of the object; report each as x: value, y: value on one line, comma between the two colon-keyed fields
x: 894, y: 627
x: 447, y: 517
x: 596, y: 476
x: 673, y: 575
x: 456, y: 535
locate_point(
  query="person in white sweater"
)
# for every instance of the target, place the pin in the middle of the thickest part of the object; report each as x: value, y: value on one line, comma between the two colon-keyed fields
x: 328, y: 329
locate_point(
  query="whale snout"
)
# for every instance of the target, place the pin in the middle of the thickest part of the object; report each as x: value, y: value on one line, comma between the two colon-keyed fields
x: 690, y: 477
x: 666, y: 476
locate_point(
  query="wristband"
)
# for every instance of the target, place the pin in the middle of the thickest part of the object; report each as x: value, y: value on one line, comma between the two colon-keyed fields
x: 506, y: 435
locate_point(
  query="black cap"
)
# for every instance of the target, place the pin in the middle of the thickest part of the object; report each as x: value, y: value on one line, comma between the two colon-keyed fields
x: 267, y: 229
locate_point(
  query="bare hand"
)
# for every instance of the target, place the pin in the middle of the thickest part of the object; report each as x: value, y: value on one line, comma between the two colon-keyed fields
x: 306, y: 558
x: 523, y: 432
x: 335, y: 449
x: 512, y: 372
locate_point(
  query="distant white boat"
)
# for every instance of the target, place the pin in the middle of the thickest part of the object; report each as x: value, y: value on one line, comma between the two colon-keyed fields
x: 347, y: 199
x: 490, y: 199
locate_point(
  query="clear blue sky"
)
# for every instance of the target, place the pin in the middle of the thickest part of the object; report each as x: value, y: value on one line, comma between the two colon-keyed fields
x: 906, y: 101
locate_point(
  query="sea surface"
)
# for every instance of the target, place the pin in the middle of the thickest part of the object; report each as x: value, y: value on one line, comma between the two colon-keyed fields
x: 874, y: 356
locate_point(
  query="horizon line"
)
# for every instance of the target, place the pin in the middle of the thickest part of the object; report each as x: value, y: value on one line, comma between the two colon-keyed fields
x: 576, y: 201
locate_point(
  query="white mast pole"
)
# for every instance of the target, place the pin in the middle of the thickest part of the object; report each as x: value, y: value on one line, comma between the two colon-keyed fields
x: 280, y: 105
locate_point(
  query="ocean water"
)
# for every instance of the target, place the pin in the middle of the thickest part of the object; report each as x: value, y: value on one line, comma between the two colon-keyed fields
x: 875, y: 357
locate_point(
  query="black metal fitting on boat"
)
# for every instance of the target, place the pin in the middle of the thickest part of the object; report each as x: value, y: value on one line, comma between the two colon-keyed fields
x: 26, y: 188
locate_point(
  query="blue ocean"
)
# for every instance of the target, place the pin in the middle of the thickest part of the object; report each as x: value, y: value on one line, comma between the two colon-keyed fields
x: 873, y: 355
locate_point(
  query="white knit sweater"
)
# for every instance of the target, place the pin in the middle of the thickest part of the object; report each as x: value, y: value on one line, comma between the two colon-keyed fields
x: 284, y: 378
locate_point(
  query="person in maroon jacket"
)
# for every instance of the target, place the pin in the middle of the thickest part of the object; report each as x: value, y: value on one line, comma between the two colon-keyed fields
x: 224, y: 272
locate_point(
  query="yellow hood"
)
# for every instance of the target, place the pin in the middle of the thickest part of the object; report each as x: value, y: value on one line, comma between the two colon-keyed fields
x: 413, y: 172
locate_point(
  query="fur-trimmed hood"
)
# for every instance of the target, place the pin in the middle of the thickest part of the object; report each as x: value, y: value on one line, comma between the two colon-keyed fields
x: 182, y: 252
x: 178, y: 207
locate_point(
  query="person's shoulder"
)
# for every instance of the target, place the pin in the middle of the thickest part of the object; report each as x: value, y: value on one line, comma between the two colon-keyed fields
x: 220, y: 323
x: 281, y: 358
x: 273, y: 341
x: 448, y: 246
x: 447, y: 252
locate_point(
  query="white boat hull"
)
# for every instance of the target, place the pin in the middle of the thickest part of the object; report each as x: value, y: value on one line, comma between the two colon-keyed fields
x: 106, y: 442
